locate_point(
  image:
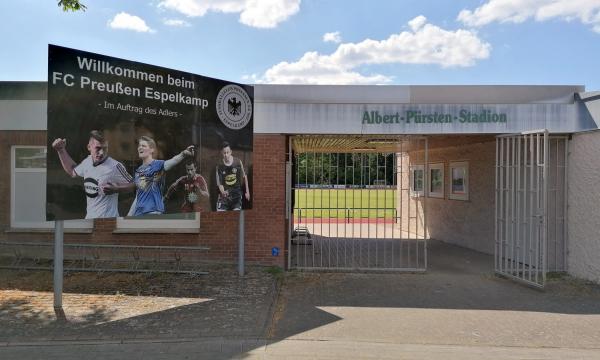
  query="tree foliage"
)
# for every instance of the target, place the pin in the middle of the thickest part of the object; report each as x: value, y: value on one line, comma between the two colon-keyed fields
x: 352, y: 169
x: 71, y: 5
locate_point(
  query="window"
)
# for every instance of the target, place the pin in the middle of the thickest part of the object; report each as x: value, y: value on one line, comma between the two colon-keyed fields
x: 28, y: 191
x: 459, y: 180
x: 172, y: 223
x: 417, y: 174
x: 436, y: 180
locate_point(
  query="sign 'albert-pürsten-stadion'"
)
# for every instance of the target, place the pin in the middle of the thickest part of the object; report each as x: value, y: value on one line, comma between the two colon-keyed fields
x: 131, y: 139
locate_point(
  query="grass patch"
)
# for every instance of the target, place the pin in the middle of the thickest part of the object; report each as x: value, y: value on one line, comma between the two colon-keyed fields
x: 275, y: 271
x: 343, y: 203
x: 555, y: 275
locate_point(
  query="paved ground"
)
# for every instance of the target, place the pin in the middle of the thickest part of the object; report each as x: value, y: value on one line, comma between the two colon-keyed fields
x: 458, y: 301
x: 285, y: 349
x: 358, y: 253
x: 457, y: 310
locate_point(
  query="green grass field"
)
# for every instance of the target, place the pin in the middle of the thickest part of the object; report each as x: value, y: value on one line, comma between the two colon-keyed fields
x: 340, y: 203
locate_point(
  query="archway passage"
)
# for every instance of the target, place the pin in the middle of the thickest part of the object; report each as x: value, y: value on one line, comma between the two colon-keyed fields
x: 372, y: 203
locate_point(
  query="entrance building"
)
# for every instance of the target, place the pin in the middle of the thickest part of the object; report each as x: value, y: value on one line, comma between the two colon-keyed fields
x: 360, y: 178
x: 375, y: 172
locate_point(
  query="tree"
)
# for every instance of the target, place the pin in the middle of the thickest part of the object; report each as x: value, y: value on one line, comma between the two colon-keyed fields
x: 71, y: 5
x: 355, y: 169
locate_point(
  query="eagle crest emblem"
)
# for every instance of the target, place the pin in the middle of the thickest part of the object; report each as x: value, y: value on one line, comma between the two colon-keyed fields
x: 234, y: 106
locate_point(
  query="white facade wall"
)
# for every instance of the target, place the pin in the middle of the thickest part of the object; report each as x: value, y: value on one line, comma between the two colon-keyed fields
x: 23, y: 115
x: 584, y: 206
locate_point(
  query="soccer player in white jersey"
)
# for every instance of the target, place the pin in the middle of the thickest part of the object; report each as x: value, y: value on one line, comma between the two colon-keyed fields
x: 103, y: 176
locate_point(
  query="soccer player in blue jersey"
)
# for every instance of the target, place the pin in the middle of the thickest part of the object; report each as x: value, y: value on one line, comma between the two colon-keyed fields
x: 149, y: 178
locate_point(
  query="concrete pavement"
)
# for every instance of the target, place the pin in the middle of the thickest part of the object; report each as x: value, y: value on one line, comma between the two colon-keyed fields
x: 275, y: 350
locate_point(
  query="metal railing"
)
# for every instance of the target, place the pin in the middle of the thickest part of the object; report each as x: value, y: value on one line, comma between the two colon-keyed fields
x: 349, y: 213
x: 102, y: 257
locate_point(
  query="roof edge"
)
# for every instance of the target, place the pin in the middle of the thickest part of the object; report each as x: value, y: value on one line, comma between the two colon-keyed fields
x: 23, y: 90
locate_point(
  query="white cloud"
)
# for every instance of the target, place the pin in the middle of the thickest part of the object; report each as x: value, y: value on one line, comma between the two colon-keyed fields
x: 255, y: 13
x: 268, y: 13
x: 125, y: 21
x: 176, y: 22
x: 518, y: 11
x: 423, y: 44
x: 317, y: 69
x: 417, y: 23
x: 333, y: 37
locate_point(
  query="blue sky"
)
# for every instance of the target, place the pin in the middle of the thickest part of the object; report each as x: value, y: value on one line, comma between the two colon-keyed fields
x: 402, y: 42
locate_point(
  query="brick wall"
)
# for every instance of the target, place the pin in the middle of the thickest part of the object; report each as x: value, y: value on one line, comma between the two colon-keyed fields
x: 467, y: 223
x: 265, y: 223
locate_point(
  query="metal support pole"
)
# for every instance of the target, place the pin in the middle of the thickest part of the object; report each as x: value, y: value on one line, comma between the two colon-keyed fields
x: 241, y: 245
x: 59, y: 228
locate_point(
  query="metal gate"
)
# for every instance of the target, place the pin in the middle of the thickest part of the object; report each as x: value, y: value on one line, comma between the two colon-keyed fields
x: 531, y: 207
x: 357, y: 203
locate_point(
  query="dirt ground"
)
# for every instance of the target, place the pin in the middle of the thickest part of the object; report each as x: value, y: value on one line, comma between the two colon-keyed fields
x: 117, y: 305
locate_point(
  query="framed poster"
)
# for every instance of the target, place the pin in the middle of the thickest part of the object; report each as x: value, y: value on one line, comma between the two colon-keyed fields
x: 459, y: 180
x: 436, y: 180
x: 417, y: 180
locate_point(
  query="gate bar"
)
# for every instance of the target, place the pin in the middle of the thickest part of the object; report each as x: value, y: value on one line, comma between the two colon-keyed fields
x: 532, y: 204
x: 291, y: 191
x: 426, y: 185
x: 513, y: 204
x: 538, y: 205
x: 519, y: 198
x: 545, y: 200
x: 565, y: 206
x: 496, y: 209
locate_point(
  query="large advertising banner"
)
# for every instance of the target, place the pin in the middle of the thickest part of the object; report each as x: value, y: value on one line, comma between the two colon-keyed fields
x: 131, y: 139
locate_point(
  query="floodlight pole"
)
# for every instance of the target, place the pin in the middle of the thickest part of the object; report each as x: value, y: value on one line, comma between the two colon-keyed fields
x: 59, y: 232
x: 241, y: 245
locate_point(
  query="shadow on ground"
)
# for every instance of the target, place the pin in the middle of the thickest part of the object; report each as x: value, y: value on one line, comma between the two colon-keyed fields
x: 458, y: 300
x: 137, y: 306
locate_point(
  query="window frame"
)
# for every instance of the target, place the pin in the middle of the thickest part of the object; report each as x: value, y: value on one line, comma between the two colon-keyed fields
x: 80, y: 225
x: 458, y: 195
x: 148, y: 224
x: 431, y: 193
x: 414, y: 192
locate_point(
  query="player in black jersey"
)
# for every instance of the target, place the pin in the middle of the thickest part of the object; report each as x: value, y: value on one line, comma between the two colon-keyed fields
x: 230, y: 179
